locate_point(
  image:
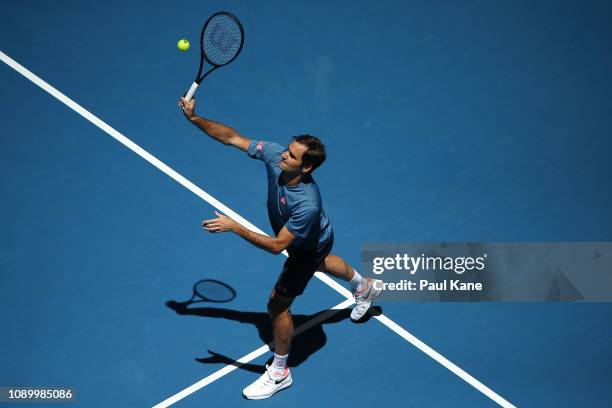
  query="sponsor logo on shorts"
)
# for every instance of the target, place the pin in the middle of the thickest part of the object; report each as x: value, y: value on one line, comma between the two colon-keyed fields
x: 283, y: 200
x: 259, y: 145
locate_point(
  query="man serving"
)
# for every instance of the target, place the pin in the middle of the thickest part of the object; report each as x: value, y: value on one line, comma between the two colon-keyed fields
x: 301, y: 227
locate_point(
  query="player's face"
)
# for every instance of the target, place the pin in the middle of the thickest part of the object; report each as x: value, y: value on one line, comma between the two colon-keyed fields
x: 292, y: 158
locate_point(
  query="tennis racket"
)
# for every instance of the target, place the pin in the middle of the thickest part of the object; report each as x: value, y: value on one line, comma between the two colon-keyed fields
x: 220, y: 43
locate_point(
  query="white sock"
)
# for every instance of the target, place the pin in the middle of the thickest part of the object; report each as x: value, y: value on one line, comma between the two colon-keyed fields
x: 279, y: 365
x: 357, y: 281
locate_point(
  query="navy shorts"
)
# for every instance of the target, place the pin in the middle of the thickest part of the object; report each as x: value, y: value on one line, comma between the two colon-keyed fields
x: 300, y: 267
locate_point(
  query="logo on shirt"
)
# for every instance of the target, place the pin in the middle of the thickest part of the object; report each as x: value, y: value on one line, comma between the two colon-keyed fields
x: 259, y: 145
x: 283, y: 200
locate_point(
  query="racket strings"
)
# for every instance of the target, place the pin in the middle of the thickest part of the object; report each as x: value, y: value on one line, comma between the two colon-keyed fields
x: 222, y: 40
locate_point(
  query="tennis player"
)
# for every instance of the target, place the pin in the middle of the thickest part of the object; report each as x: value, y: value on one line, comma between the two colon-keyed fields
x: 301, y: 227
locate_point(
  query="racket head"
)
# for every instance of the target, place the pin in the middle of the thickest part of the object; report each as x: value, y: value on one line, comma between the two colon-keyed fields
x: 221, y: 39
x: 212, y: 290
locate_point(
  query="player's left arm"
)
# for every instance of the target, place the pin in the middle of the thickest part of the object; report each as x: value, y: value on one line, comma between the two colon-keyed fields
x: 274, y: 245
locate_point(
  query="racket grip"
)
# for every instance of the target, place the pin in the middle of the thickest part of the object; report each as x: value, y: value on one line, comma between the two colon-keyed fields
x: 191, y: 91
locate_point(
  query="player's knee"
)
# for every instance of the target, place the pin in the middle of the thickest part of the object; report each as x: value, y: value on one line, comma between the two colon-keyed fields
x: 276, y: 307
x: 328, y: 263
x: 336, y: 266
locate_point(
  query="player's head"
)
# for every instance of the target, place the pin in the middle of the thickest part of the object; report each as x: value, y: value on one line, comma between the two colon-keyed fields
x: 304, y: 154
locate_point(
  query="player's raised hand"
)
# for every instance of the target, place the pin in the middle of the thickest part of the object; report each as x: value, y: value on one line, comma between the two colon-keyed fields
x: 187, y: 106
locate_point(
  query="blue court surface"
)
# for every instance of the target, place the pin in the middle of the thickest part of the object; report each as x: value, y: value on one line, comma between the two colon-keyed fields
x: 443, y: 120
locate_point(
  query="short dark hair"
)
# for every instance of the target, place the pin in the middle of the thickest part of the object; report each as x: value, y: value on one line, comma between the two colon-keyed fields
x: 315, y: 155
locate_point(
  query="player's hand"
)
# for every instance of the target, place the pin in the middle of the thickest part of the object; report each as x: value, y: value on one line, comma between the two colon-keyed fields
x: 221, y: 224
x: 188, y: 107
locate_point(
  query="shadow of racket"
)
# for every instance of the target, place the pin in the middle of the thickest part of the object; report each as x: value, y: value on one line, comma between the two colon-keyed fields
x: 205, y: 290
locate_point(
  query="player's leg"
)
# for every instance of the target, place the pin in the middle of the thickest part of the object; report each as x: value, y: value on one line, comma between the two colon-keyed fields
x: 277, y: 376
x: 297, y: 272
x: 282, y: 325
x: 364, y: 290
x: 336, y: 266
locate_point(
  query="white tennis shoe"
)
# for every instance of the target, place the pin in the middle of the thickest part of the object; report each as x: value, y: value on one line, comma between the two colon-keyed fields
x: 364, y: 298
x: 266, y: 386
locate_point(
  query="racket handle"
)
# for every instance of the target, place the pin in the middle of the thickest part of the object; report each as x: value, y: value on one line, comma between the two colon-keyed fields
x: 191, y: 91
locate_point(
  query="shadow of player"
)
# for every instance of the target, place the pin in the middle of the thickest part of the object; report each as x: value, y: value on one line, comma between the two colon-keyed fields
x: 303, y: 345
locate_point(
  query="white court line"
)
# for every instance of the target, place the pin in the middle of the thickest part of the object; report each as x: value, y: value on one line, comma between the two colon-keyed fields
x: 249, y: 357
x: 223, y: 208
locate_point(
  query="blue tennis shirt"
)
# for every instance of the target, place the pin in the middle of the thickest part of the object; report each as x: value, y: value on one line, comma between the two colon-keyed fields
x: 297, y: 207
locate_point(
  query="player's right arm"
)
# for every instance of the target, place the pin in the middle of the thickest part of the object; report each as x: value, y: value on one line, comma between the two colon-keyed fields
x: 217, y: 131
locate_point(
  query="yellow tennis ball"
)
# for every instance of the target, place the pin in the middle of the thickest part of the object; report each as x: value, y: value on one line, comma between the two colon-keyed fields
x: 183, y: 45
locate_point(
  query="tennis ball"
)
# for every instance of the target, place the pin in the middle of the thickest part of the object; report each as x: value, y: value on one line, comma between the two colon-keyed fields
x: 183, y: 45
